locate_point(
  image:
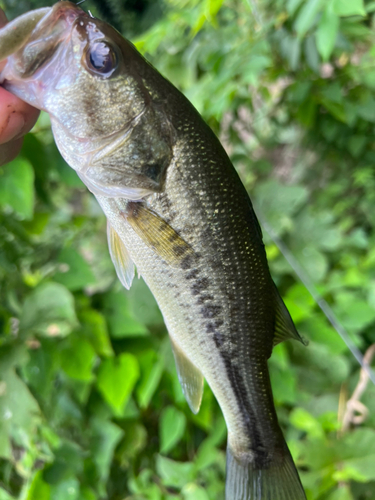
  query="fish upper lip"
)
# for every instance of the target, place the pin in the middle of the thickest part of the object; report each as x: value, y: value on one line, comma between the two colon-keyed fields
x: 62, y: 11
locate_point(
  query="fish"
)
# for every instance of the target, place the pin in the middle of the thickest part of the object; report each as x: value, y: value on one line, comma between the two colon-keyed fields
x: 176, y: 211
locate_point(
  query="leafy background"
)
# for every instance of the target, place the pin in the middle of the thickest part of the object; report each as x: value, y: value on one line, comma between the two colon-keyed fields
x: 90, y: 405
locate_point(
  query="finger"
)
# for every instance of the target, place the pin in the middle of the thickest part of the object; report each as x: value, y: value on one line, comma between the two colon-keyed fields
x: 16, y: 117
x: 10, y: 150
x: 3, y: 21
x: 3, y: 18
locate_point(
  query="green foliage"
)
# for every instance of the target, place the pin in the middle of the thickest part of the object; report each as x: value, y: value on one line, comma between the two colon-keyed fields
x: 90, y: 404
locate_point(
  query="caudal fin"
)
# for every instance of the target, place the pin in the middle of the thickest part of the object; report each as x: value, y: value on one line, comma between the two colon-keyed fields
x: 280, y: 481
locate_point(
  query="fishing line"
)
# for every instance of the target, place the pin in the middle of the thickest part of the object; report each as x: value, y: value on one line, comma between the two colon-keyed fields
x: 323, y: 304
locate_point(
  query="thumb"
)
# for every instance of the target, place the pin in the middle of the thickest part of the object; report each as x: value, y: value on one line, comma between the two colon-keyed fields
x: 3, y: 22
x: 3, y: 18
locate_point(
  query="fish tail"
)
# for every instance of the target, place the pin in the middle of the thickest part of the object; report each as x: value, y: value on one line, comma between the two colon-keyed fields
x: 279, y: 481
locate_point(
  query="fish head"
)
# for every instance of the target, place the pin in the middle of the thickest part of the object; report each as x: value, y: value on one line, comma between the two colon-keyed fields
x: 89, y: 79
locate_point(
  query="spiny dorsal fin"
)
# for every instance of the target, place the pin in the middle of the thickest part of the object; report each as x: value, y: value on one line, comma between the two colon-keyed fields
x: 159, y: 235
x: 284, y: 326
x: 120, y: 257
x: 191, y: 379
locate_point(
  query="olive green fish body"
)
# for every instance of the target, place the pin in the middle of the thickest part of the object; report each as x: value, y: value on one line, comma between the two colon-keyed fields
x: 177, y: 209
x: 219, y: 305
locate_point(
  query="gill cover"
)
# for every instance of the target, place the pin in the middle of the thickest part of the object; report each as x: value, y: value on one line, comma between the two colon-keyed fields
x: 107, y: 125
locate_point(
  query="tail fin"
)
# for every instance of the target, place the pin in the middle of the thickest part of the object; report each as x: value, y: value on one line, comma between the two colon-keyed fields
x: 278, y: 482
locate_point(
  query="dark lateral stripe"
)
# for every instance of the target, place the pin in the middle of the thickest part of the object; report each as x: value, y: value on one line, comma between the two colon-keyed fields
x: 252, y: 424
x: 211, y: 312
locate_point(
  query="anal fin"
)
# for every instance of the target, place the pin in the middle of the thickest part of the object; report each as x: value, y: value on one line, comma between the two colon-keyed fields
x: 120, y: 257
x: 284, y: 326
x: 191, y: 379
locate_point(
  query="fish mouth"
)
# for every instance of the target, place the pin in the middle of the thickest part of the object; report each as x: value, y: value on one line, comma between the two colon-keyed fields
x: 49, y: 32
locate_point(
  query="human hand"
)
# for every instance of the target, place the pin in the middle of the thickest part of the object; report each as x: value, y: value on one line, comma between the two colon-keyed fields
x: 16, y: 118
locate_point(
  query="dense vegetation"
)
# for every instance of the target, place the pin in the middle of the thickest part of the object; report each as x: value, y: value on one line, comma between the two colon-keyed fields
x: 90, y: 405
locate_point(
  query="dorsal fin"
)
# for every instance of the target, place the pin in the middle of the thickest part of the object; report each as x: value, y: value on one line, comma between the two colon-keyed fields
x: 284, y: 326
x: 120, y: 257
x: 191, y: 379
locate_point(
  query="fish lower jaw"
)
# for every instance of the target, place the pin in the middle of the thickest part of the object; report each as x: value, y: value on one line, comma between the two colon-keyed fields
x: 21, y: 90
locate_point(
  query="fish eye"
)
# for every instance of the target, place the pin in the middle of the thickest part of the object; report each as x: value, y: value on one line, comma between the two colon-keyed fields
x: 101, y: 58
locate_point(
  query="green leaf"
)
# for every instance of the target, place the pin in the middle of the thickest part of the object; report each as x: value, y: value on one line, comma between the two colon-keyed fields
x: 95, y: 329
x: 294, y: 53
x: 68, y: 489
x: 194, y: 492
x: 342, y: 493
x: 18, y: 408
x: 134, y: 441
x: 366, y: 107
x: 38, y: 488
x: 349, y: 7
x: 116, y: 380
x: 49, y: 310
x: 121, y: 320
x: 68, y: 461
x: 17, y: 187
x: 5, y: 444
x: 284, y: 385
x: 359, y: 469
x: 306, y: 16
x: 293, y: 5
x: 318, y: 330
x: 172, y: 473
x: 357, y: 144
x: 313, y: 262
x: 37, y: 224
x: 355, y: 314
x: 87, y: 494
x: 152, y: 366
x: 326, y: 33
x: 142, y: 304
x: 4, y: 495
x: 171, y: 428
x: 77, y: 358
x: 207, y: 454
x: 301, y: 419
x: 313, y: 60
x: 106, y: 436
x: 74, y: 272
x: 278, y: 202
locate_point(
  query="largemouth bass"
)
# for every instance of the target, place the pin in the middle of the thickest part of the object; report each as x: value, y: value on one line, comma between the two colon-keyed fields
x: 177, y: 210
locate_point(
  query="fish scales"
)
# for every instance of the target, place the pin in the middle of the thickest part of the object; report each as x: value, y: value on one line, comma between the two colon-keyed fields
x: 231, y: 258
x: 177, y: 209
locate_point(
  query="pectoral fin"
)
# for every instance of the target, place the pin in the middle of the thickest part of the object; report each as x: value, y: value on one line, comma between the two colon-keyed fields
x: 191, y: 379
x: 284, y: 326
x: 159, y: 235
x: 120, y: 257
